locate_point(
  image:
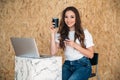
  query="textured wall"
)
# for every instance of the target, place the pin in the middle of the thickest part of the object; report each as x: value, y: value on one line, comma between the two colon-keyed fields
x: 32, y: 18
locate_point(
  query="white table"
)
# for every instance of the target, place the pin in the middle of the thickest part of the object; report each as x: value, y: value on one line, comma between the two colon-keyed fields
x: 38, y: 69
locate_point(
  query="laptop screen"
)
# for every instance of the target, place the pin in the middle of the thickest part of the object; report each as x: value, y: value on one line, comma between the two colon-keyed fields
x: 25, y: 47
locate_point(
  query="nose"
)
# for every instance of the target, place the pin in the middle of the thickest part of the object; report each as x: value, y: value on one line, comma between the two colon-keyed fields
x: 68, y: 19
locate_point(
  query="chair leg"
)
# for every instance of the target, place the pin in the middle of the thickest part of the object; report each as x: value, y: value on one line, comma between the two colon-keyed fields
x: 98, y: 77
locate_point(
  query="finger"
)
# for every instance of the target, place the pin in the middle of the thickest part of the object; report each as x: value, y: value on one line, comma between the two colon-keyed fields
x: 53, y: 23
x: 67, y: 40
x: 51, y: 27
x: 65, y: 43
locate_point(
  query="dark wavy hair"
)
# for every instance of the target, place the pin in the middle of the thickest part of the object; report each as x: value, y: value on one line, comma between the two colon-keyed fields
x: 64, y: 29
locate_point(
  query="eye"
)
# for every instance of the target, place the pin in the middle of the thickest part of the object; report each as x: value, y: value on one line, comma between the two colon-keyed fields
x: 72, y: 17
x: 66, y: 17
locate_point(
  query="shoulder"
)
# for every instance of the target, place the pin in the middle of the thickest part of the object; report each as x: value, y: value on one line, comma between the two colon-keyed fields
x: 57, y: 34
x: 86, y: 31
x: 87, y: 34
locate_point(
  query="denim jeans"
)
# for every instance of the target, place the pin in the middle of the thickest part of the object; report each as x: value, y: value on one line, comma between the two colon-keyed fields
x: 76, y: 70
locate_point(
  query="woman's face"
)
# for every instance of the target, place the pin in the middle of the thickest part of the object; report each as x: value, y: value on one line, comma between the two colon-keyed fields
x: 70, y: 19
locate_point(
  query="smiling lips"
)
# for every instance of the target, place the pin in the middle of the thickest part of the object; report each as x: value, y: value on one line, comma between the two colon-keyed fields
x: 70, y: 24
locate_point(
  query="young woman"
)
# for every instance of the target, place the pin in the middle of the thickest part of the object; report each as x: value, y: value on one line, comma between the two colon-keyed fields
x: 77, y: 44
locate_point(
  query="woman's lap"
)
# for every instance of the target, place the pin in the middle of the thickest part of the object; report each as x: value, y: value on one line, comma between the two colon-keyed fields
x: 76, y: 70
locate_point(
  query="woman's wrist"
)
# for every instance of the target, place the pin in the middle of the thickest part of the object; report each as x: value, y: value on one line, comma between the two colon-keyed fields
x: 76, y: 46
x: 52, y: 34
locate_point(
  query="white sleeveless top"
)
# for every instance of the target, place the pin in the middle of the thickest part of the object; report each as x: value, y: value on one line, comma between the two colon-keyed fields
x: 71, y: 53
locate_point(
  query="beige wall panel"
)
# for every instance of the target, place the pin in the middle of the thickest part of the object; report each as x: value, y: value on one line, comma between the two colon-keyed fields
x: 32, y: 18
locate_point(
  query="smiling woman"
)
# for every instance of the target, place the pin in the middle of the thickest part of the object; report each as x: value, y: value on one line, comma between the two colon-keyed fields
x: 77, y: 44
x: 31, y: 18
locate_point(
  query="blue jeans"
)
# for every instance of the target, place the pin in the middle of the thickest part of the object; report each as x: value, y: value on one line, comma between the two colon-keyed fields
x: 76, y: 70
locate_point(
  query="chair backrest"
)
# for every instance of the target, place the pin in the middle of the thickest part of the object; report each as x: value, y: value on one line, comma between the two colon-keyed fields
x: 94, y: 60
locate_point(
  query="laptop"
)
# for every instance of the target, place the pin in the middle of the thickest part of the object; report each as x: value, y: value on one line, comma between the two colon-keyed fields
x: 25, y: 47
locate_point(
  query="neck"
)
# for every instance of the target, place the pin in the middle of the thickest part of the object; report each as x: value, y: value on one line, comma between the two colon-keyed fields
x: 72, y: 28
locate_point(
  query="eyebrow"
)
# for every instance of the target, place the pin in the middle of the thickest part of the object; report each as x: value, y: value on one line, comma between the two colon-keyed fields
x: 70, y: 16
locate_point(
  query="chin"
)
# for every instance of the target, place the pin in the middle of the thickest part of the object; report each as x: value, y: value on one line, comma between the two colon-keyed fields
x: 70, y: 26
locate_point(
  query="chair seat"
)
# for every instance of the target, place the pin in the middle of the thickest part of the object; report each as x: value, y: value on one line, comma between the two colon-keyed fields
x: 92, y: 75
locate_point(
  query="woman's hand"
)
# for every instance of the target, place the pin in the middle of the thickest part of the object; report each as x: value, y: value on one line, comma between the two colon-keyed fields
x: 69, y: 43
x: 53, y: 29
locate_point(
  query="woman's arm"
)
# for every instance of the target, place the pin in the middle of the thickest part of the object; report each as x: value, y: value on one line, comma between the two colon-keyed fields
x: 53, y: 45
x: 88, y: 52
